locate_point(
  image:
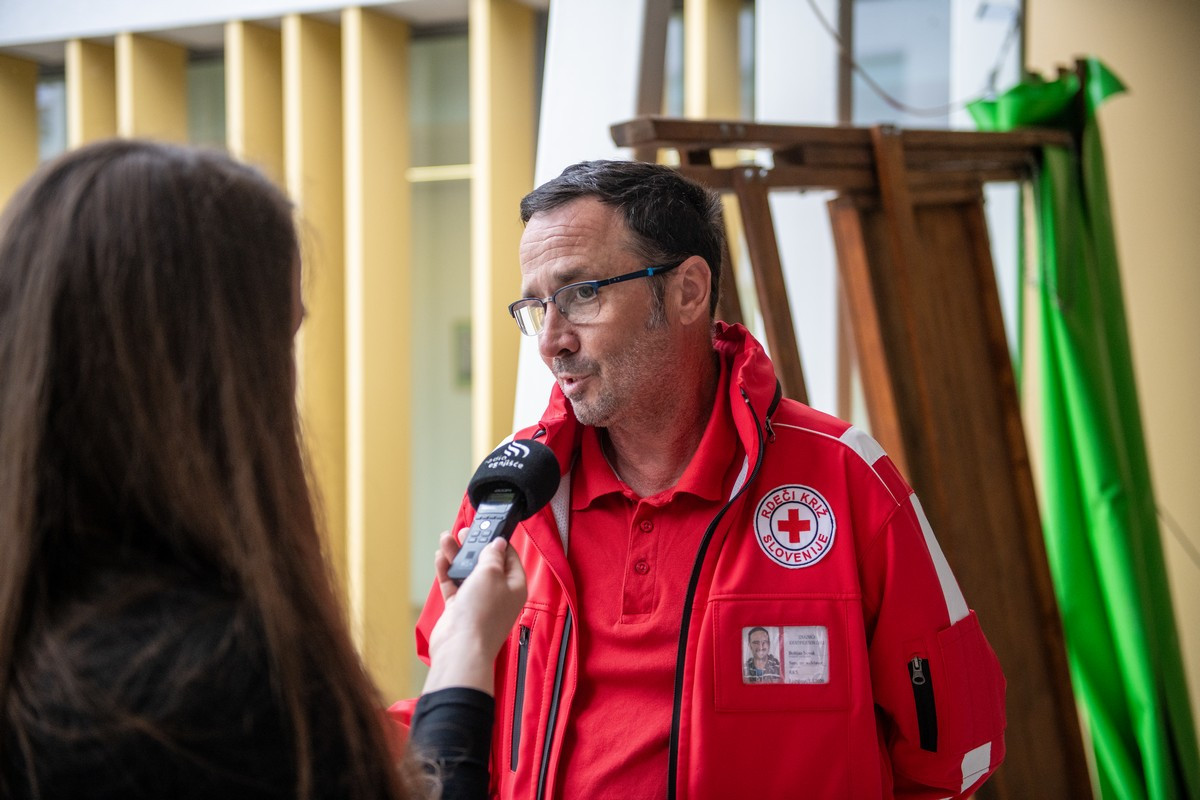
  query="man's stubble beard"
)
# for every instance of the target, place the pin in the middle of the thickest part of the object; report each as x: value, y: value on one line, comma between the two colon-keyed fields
x: 625, y: 377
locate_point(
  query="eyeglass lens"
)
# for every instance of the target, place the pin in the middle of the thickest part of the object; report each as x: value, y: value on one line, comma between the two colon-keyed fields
x: 530, y: 316
x: 576, y: 303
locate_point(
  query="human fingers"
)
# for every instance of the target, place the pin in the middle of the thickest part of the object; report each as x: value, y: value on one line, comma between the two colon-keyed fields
x: 448, y: 547
x: 464, y: 642
x: 514, y: 572
x: 496, y: 588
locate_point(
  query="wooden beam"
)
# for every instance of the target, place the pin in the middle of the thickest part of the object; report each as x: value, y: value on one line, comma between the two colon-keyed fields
x: 1042, y: 607
x: 865, y: 316
x: 727, y: 134
x: 768, y: 280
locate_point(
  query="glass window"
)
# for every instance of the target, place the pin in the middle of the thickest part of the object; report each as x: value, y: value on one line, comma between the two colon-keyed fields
x: 52, y: 114
x: 673, y: 73
x: 440, y: 303
x: 904, y: 46
x: 206, y: 100
x: 440, y: 100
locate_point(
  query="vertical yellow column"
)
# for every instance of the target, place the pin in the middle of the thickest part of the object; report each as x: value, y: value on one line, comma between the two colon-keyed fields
x: 712, y: 90
x: 711, y: 80
x: 91, y: 92
x: 501, y: 45
x: 19, y: 133
x: 378, y: 343
x: 151, y: 88
x: 312, y: 134
x: 254, y: 96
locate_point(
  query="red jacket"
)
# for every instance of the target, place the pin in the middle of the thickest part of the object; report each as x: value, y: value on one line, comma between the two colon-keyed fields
x: 888, y: 689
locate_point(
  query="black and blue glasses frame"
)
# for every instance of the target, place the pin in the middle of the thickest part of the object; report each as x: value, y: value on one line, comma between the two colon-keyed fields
x: 529, y: 312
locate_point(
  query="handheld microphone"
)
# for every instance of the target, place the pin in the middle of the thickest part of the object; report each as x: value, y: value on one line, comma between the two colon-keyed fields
x: 512, y: 483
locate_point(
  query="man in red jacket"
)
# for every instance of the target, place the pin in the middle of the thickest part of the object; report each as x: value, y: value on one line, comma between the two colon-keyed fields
x: 696, y: 505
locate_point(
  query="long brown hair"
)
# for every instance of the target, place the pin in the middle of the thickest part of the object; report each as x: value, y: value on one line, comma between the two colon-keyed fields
x: 147, y: 394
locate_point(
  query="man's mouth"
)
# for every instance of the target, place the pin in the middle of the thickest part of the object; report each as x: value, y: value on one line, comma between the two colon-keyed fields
x: 571, y: 375
x: 569, y: 382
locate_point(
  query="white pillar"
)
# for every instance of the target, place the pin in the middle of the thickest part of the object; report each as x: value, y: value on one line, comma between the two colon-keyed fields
x: 796, y: 78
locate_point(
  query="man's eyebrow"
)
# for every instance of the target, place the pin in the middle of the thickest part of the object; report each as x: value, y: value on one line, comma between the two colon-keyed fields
x: 561, y: 279
x: 569, y: 275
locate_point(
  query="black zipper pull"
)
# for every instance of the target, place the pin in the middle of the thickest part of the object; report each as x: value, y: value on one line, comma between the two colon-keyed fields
x: 922, y: 687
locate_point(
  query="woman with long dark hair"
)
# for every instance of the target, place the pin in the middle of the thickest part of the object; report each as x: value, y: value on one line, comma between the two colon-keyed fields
x: 168, y: 626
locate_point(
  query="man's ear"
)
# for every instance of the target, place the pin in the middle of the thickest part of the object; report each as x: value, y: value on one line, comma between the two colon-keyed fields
x: 692, y: 289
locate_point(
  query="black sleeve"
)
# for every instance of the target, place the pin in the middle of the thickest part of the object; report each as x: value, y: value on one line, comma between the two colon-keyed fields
x: 452, y: 734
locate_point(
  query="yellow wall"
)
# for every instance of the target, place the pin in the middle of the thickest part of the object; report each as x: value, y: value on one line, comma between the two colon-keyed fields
x: 19, y: 132
x: 1154, y: 176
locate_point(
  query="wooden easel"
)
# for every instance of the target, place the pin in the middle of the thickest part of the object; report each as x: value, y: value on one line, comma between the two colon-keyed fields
x: 918, y: 284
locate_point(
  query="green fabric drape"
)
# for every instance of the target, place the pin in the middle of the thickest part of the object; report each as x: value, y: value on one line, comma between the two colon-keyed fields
x: 1101, y: 525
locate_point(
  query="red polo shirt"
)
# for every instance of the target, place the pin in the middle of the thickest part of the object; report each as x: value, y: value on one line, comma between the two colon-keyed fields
x: 632, y: 558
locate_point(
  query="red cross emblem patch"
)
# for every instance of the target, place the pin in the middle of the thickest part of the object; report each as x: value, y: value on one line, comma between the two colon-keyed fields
x: 794, y: 526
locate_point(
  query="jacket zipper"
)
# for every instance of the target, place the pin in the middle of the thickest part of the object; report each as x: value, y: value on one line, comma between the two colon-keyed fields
x: 519, y: 702
x: 693, y: 582
x: 922, y: 687
x: 552, y: 718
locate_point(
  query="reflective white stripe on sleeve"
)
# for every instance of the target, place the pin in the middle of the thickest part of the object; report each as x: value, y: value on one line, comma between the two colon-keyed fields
x: 975, y: 764
x: 861, y: 442
x: 956, y: 606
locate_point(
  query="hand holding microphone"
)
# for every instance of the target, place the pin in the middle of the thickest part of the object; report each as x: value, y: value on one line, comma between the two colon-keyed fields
x: 477, y: 618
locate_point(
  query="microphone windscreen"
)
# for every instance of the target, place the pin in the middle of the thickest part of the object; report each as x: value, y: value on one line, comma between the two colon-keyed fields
x: 526, y: 466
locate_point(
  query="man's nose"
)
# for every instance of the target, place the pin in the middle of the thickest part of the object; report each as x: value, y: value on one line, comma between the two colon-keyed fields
x: 558, y: 334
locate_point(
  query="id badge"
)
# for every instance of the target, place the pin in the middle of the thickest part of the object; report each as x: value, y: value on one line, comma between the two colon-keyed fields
x: 790, y: 654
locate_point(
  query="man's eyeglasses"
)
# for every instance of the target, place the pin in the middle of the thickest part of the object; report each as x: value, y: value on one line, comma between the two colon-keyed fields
x: 577, y: 302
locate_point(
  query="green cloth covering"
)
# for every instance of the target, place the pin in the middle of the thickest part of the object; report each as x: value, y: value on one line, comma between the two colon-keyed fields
x: 1101, y: 524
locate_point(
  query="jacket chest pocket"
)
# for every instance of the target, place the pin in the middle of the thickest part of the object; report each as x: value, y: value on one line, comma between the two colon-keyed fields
x: 524, y: 631
x: 783, y: 653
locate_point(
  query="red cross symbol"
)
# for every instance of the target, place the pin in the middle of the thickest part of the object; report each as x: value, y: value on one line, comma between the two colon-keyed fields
x: 794, y: 526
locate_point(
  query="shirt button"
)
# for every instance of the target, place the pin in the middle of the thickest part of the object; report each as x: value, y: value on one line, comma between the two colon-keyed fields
x: 647, y: 525
x: 641, y: 568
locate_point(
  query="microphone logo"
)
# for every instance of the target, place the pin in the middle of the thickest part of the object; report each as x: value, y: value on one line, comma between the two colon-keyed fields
x: 514, y: 455
x: 516, y: 450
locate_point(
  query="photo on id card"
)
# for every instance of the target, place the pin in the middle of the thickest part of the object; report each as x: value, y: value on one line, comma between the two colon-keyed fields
x: 785, y: 654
